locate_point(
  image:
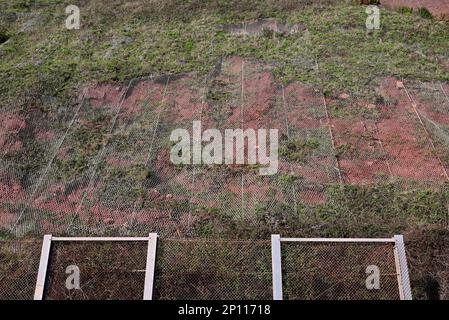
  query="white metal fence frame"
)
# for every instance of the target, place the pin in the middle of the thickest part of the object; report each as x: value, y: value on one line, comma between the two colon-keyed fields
x: 400, y: 258
x: 149, y: 269
x: 397, y: 240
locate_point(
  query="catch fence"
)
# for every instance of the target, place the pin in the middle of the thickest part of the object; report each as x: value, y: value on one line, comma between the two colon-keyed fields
x: 340, y: 269
x: 79, y: 268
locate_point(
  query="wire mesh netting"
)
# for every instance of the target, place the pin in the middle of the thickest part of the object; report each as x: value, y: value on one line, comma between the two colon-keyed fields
x: 199, y: 270
x: 108, y: 169
x: 337, y: 271
x: 19, y: 263
x: 111, y: 169
x: 107, y: 270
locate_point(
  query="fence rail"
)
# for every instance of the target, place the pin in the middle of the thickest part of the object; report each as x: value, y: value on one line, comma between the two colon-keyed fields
x: 197, y: 269
x: 356, y: 256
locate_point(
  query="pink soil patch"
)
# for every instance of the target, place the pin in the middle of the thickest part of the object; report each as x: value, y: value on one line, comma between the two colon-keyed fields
x: 7, y: 218
x: 256, y: 191
x: 163, y: 220
x: 117, y: 162
x: 55, y: 200
x: 10, y: 126
x: 207, y: 121
x: 360, y: 162
x: 12, y: 147
x: 259, y: 98
x: 302, y: 104
x: 357, y: 171
x: 62, y: 153
x: 48, y: 226
x: 187, y: 104
x: 439, y: 8
x: 260, y: 190
x: 411, y: 161
x: 76, y: 196
x: 162, y: 165
x: 10, y: 192
x: 101, y: 95
x: 145, y: 92
x: 405, y: 140
x: 233, y: 185
x: 184, y: 178
x: 107, y: 215
x: 312, y: 197
x: 44, y: 136
x: 11, y: 123
x: 56, y: 204
x: 259, y: 93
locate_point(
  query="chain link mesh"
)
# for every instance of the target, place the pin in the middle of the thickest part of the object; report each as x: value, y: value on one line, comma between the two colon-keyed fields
x: 19, y: 263
x: 337, y: 271
x: 200, y: 270
x: 108, y: 270
x: 109, y: 170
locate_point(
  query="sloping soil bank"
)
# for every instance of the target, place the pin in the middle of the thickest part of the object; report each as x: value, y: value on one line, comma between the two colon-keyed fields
x: 438, y: 8
x: 113, y: 168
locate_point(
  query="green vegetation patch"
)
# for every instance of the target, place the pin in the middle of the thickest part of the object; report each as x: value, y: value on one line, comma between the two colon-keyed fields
x: 116, y: 43
x: 298, y: 150
x: 424, y: 13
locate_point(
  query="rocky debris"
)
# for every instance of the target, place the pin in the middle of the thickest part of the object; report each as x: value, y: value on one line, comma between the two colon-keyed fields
x: 399, y: 85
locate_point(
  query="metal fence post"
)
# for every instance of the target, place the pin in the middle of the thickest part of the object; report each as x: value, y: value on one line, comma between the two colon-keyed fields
x: 150, y: 266
x: 405, y: 291
x: 43, y: 264
x: 276, y: 266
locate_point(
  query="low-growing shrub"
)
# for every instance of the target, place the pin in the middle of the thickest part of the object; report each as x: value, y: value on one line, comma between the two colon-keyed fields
x: 424, y: 13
